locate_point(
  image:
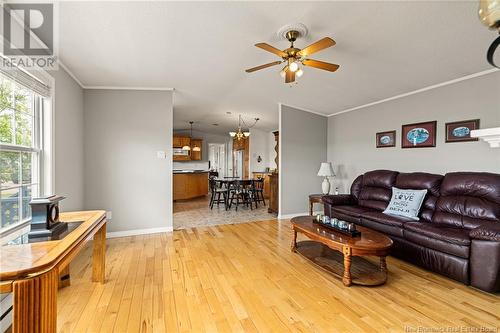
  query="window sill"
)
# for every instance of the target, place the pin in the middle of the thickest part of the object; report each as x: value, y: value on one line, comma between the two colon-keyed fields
x: 13, y: 231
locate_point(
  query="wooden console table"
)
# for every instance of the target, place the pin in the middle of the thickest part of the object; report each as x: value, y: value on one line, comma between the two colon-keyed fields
x: 31, y: 271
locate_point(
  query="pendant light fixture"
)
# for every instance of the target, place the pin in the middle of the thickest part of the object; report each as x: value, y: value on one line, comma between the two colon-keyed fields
x: 195, y: 148
x: 240, y: 134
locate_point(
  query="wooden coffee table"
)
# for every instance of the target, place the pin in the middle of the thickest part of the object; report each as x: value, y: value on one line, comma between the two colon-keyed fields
x: 341, y: 255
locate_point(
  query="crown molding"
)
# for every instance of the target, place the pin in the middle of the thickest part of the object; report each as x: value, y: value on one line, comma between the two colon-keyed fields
x: 434, y: 86
x: 74, y: 77
x: 302, y: 109
x: 70, y: 73
x: 127, y: 88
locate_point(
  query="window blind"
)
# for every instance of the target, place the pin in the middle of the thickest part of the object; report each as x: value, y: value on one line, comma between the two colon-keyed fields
x: 27, y: 80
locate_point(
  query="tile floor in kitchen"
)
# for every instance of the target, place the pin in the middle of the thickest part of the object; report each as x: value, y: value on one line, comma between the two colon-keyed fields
x: 196, y: 213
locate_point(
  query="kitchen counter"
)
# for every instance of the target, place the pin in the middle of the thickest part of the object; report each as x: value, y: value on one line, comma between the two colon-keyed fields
x: 190, y: 171
x: 189, y: 184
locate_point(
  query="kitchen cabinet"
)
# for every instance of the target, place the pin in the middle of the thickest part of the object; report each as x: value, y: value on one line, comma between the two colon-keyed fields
x: 265, y: 176
x: 181, y: 141
x: 196, y: 155
x: 190, y: 185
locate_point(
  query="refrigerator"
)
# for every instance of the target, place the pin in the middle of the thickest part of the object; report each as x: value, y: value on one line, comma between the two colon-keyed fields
x: 239, y: 156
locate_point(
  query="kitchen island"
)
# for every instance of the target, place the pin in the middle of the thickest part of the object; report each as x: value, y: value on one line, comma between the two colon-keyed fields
x: 189, y: 184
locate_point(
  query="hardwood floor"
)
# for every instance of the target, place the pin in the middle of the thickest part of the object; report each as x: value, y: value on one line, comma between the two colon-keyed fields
x: 243, y: 278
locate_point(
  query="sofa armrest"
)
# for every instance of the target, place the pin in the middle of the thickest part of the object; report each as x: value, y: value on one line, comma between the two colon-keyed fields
x: 490, y: 232
x: 338, y: 200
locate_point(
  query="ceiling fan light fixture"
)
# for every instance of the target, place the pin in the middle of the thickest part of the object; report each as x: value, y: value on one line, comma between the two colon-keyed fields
x: 232, y: 134
x: 299, y: 73
x: 246, y: 134
x: 283, y: 72
x: 293, y: 66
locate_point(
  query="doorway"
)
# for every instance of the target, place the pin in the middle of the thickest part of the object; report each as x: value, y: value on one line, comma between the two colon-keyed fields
x: 217, y: 158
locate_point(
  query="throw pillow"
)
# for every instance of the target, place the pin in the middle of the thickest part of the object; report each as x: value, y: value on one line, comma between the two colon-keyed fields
x: 405, y: 203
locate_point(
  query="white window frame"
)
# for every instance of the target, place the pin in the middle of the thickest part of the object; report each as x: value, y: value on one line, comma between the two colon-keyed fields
x: 44, y: 124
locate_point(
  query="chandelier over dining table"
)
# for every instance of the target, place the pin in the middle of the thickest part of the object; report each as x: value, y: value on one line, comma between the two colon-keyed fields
x: 243, y: 130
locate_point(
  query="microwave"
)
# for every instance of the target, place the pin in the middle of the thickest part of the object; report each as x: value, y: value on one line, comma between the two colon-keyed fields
x: 181, y: 152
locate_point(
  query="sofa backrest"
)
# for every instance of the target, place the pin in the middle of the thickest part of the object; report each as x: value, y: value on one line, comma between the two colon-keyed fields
x: 468, y: 199
x: 422, y: 181
x: 376, y: 189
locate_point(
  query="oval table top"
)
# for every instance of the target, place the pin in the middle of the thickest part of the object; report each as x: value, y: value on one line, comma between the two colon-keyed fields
x: 370, y: 240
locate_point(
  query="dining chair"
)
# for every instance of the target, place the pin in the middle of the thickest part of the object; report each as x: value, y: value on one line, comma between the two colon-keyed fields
x: 216, y: 194
x: 258, y: 189
x: 240, y: 192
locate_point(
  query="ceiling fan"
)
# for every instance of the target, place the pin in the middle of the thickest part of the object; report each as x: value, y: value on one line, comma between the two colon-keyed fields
x: 293, y: 56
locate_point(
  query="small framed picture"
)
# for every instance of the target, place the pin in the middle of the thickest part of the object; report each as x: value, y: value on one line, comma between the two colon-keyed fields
x: 419, y: 135
x: 386, y: 139
x: 459, y: 131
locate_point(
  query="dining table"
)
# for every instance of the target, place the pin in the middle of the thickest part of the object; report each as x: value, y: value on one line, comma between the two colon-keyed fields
x: 226, y: 182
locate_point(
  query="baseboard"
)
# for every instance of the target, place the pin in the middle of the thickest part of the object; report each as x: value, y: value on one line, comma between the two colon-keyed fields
x: 289, y: 216
x: 136, y: 232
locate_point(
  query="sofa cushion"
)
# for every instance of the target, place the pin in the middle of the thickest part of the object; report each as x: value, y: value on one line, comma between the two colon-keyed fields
x: 392, y: 220
x: 388, y: 229
x: 453, y: 241
x: 422, y: 181
x: 356, y: 186
x: 349, y: 217
x: 468, y: 200
x: 376, y: 189
x: 355, y: 211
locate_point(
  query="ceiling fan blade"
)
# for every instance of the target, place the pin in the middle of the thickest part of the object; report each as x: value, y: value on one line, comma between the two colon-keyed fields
x: 271, y: 49
x: 250, y: 70
x: 289, y: 77
x: 315, y: 47
x: 321, y: 65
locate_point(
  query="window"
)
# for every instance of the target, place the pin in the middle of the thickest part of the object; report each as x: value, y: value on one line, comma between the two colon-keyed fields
x: 20, y: 150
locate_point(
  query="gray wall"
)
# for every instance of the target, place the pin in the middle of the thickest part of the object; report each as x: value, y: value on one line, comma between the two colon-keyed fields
x: 68, y: 137
x: 124, y: 130
x: 351, y: 136
x: 303, y: 146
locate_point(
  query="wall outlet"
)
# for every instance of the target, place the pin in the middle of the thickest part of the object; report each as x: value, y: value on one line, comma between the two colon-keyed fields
x: 109, y: 215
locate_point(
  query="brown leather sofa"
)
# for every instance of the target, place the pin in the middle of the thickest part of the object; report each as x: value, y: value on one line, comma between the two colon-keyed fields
x: 458, y: 234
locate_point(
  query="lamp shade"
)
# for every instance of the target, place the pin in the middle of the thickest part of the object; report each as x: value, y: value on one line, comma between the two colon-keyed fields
x: 326, y: 170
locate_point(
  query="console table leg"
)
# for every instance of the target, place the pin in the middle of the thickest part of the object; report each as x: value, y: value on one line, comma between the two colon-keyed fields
x: 347, y: 279
x: 311, y: 207
x: 35, y: 303
x: 294, y: 241
x: 99, y: 256
x: 383, y: 265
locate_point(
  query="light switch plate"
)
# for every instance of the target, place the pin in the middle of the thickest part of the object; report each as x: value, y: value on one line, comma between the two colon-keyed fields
x: 109, y: 215
x: 161, y: 154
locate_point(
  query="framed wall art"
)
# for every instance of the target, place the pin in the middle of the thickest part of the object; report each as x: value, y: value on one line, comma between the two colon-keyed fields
x: 459, y: 131
x: 419, y: 135
x: 386, y: 139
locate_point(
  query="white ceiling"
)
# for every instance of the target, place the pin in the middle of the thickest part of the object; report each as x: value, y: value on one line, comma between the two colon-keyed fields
x: 202, y: 48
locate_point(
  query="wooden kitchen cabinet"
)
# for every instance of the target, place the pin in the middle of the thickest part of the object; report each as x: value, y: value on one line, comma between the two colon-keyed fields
x: 190, y: 185
x: 181, y: 141
x: 196, y: 155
